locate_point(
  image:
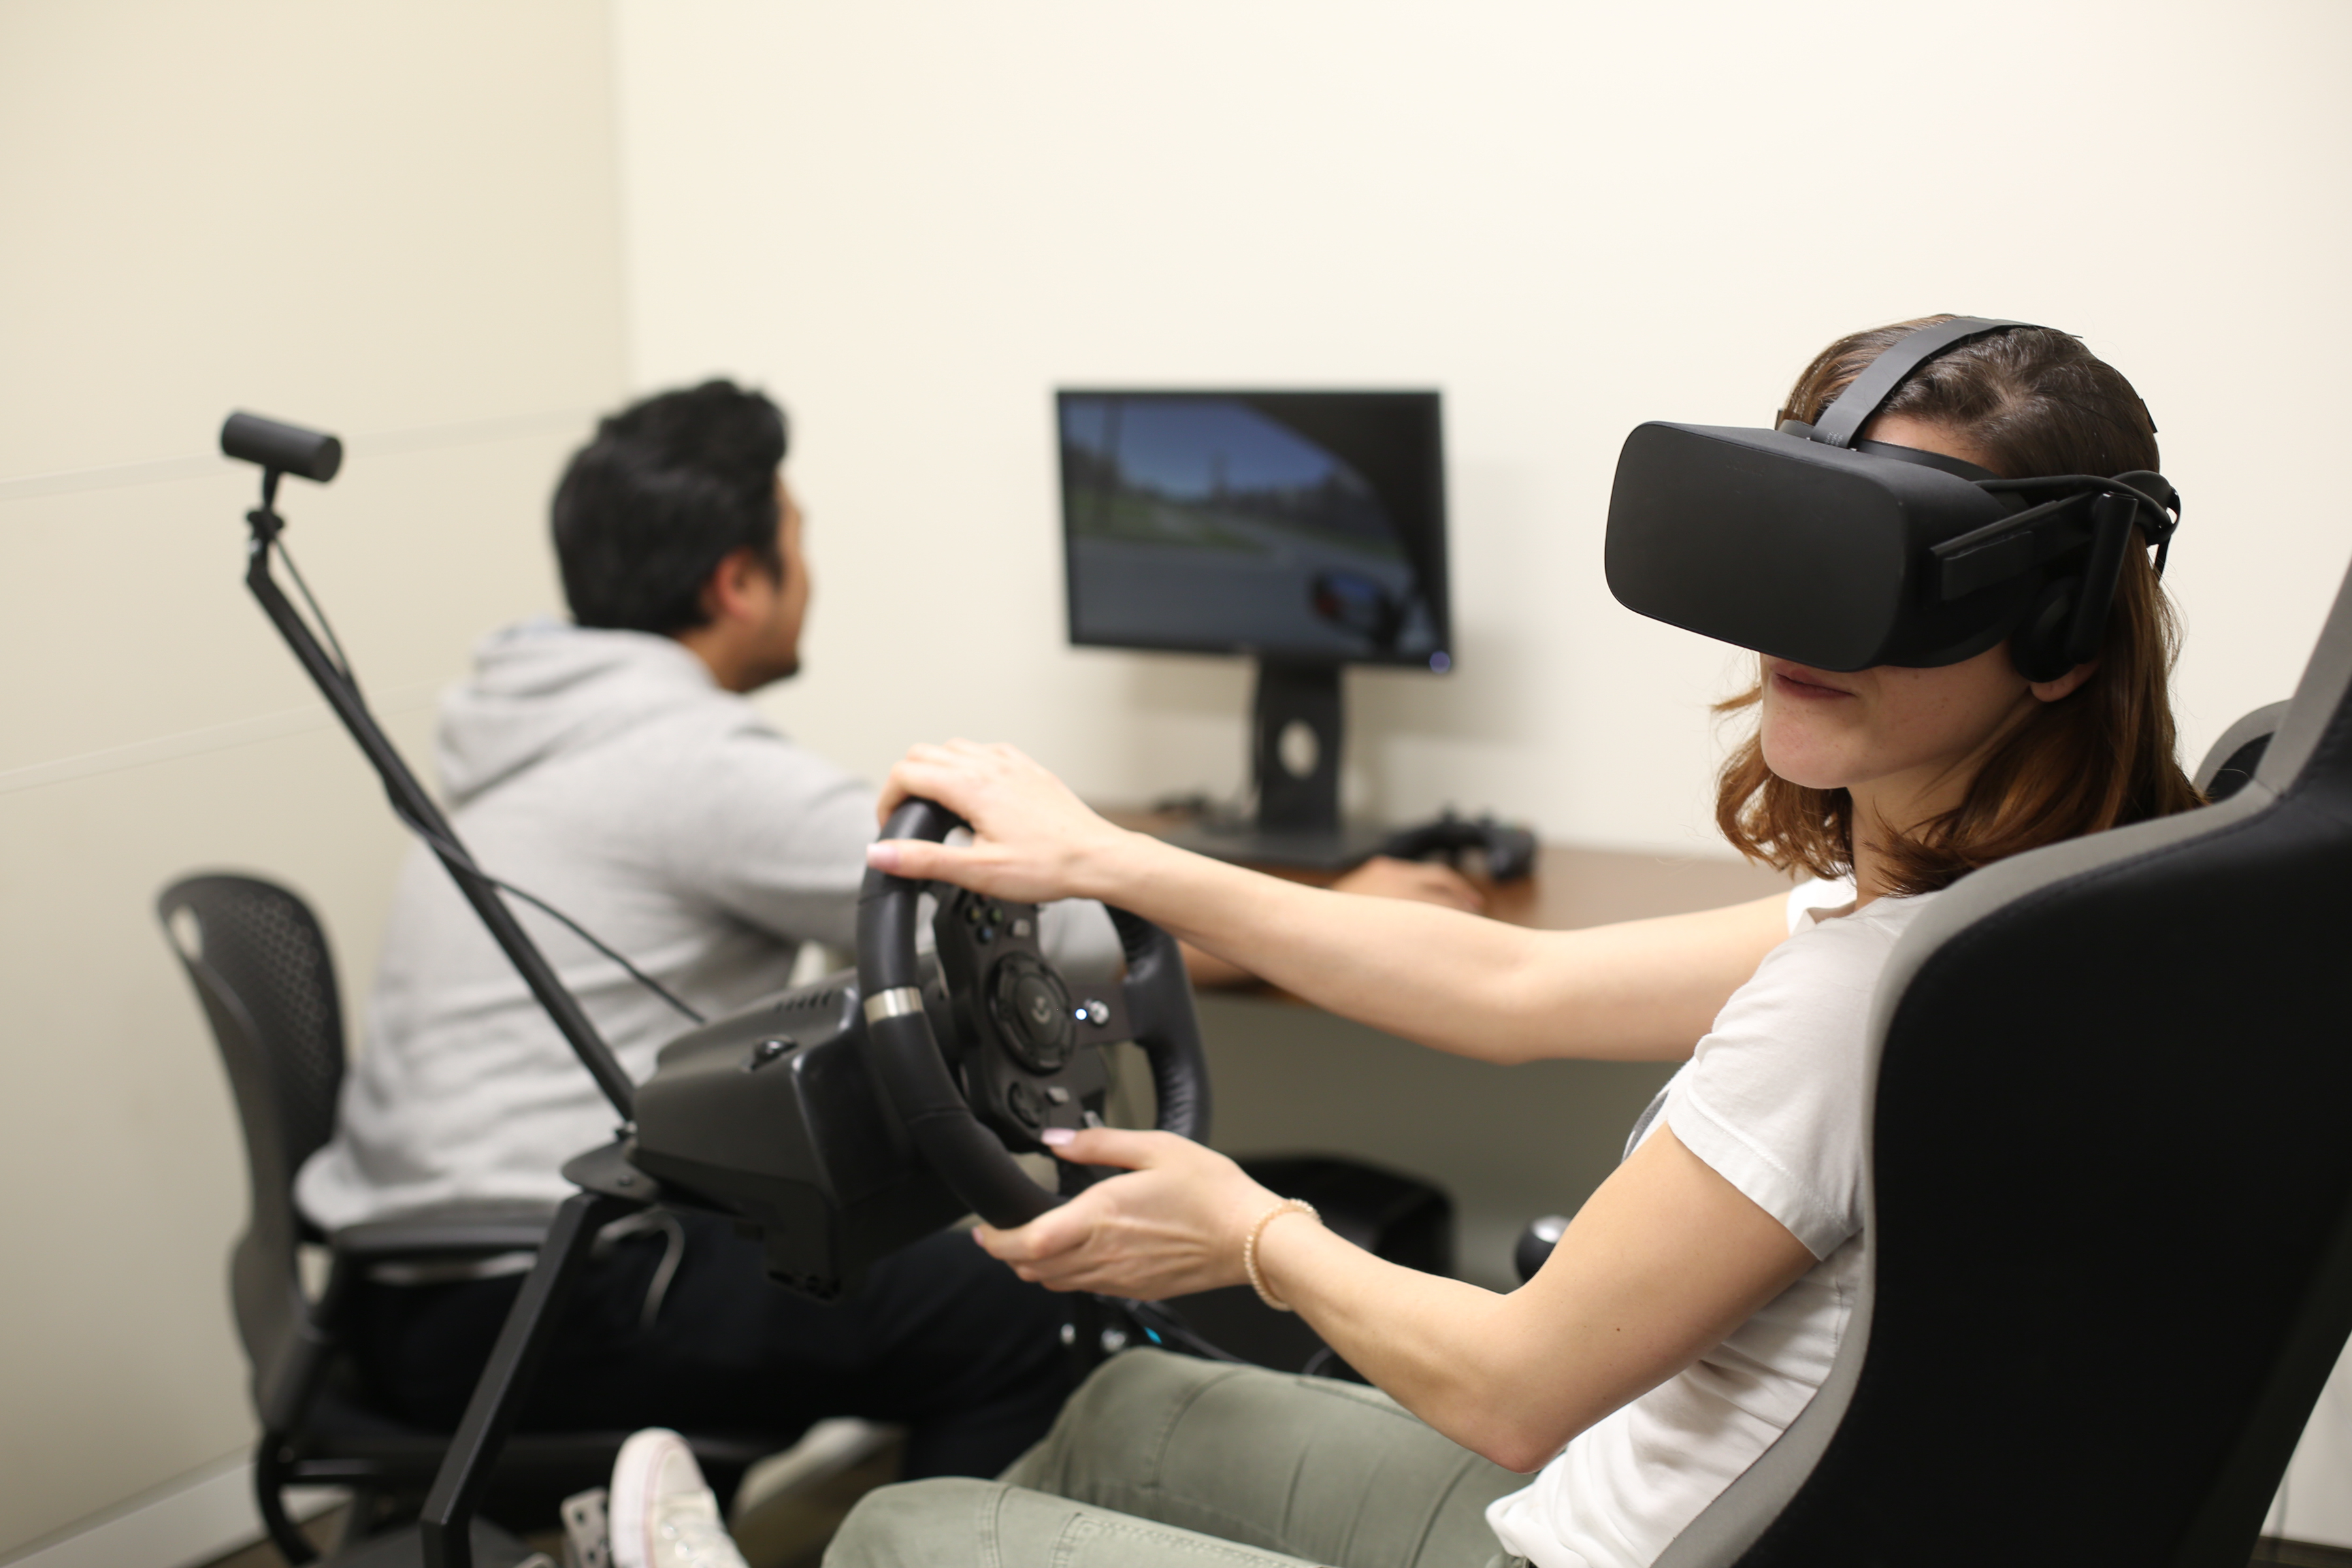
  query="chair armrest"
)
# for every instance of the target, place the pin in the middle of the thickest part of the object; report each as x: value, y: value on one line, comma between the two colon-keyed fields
x: 284, y: 1390
x: 471, y: 1232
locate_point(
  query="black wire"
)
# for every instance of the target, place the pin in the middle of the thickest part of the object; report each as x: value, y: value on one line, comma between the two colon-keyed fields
x: 456, y: 856
x: 453, y: 853
x: 1163, y: 1324
x: 2081, y: 483
x: 2159, y: 532
x: 342, y: 663
x: 2166, y: 516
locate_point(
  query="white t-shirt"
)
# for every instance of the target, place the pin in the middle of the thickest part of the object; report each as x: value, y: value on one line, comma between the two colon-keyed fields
x: 1773, y: 1100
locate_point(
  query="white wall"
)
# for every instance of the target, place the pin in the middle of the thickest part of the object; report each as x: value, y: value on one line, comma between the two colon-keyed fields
x: 398, y: 222
x: 912, y: 221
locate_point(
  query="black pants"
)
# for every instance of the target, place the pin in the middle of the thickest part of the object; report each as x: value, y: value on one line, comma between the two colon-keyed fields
x: 941, y: 1337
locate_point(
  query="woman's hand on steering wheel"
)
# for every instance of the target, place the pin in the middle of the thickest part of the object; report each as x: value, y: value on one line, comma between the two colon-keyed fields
x: 1033, y: 840
x: 1173, y: 1225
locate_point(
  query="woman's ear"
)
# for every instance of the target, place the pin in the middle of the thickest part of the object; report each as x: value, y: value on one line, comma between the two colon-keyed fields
x: 2065, y: 685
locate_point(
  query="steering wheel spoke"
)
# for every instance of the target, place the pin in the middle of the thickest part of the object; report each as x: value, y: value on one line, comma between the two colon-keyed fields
x: 1101, y: 1017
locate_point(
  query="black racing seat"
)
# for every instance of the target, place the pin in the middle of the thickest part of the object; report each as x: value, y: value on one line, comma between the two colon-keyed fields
x: 2110, y: 1209
x: 262, y: 969
x: 2229, y: 766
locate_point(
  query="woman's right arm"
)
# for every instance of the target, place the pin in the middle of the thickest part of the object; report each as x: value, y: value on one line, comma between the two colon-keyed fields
x: 1660, y: 1264
x: 1641, y: 989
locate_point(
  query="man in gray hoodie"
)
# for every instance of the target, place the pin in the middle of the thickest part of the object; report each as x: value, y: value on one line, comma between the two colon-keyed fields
x: 615, y: 768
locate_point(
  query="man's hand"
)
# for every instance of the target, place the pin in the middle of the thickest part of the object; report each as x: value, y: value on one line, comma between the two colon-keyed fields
x: 1417, y: 882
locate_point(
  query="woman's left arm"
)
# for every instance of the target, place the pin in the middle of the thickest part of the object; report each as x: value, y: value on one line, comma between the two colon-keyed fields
x: 1662, y: 1262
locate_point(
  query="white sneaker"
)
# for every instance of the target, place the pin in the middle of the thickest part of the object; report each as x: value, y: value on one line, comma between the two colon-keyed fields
x: 663, y: 1514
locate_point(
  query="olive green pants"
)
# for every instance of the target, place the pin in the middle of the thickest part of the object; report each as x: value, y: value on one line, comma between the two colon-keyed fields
x: 1161, y: 1461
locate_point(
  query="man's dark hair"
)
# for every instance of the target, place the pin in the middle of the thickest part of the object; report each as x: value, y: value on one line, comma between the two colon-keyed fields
x: 670, y: 488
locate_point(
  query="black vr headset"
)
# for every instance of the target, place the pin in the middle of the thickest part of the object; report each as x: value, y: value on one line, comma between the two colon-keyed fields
x: 1807, y: 544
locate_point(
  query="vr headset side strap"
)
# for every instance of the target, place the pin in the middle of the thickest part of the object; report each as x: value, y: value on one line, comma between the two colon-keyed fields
x: 1844, y: 417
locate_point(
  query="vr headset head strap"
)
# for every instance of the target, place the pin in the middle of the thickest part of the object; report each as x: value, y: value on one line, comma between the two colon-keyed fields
x: 1844, y: 417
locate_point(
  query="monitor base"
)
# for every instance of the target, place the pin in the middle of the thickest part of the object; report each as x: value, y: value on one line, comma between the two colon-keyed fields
x: 1311, y: 849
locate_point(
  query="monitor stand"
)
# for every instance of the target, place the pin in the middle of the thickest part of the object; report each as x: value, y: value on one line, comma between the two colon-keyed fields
x: 1298, y: 811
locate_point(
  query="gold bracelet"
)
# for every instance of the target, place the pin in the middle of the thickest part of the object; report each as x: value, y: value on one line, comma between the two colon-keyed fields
x: 1249, y: 1248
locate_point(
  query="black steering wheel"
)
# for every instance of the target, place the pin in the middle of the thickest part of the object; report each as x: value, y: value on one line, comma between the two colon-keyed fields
x: 1025, y: 1050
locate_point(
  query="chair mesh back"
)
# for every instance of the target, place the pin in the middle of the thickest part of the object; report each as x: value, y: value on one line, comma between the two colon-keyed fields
x: 261, y: 968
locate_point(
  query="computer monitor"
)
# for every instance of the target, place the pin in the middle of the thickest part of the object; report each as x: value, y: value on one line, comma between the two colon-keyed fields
x: 1306, y: 530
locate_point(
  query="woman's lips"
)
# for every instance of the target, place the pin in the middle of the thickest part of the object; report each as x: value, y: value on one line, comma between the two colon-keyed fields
x: 1796, y: 681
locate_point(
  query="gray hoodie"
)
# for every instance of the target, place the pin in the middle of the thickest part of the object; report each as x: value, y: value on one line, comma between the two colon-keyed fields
x: 605, y: 773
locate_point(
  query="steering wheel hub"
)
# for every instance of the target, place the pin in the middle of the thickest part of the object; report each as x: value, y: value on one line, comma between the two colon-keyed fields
x: 1032, y: 1013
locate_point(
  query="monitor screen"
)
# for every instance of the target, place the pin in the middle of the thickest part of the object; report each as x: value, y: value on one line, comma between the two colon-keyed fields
x: 1295, y: 525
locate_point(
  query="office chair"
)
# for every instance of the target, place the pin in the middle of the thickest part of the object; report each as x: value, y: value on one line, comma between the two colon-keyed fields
x: 262, y: 970
x: 2110, y: 1206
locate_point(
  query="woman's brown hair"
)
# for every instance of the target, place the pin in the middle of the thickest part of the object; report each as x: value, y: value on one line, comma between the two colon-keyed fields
x: 2034, y: 402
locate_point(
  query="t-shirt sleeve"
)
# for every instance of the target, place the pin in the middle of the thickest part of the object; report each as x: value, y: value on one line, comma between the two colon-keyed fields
x: 1774, y: 1097
x: 1816, y: 893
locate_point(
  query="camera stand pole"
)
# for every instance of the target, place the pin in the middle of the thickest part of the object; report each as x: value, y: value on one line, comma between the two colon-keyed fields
x: 410, y: 801
x: 446, y: 1523
x: 444, y: 1532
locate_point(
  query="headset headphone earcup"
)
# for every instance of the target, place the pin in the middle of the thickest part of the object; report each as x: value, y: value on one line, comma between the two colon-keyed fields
x: 2038, y: 647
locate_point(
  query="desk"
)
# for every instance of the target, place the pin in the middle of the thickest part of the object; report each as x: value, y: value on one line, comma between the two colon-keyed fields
x: 1575, y: 887
x: 1509, y: 1143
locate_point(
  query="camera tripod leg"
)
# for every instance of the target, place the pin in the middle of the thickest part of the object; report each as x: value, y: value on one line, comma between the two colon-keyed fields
x: 448, y: 1520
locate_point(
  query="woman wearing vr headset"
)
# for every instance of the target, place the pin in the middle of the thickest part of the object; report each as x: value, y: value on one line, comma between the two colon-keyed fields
x: 1695, y: 1303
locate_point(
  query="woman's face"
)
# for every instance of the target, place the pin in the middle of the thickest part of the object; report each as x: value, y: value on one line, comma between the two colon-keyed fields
x: 1905, y: 741
x: 1852, y: 730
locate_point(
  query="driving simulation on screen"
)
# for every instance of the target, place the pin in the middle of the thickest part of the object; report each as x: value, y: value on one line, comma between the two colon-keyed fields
x: 1304, y: 525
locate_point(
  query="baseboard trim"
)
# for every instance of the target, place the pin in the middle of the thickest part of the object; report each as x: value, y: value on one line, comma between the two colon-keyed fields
x: 189, y: 1519
x: 2273, y: 1549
